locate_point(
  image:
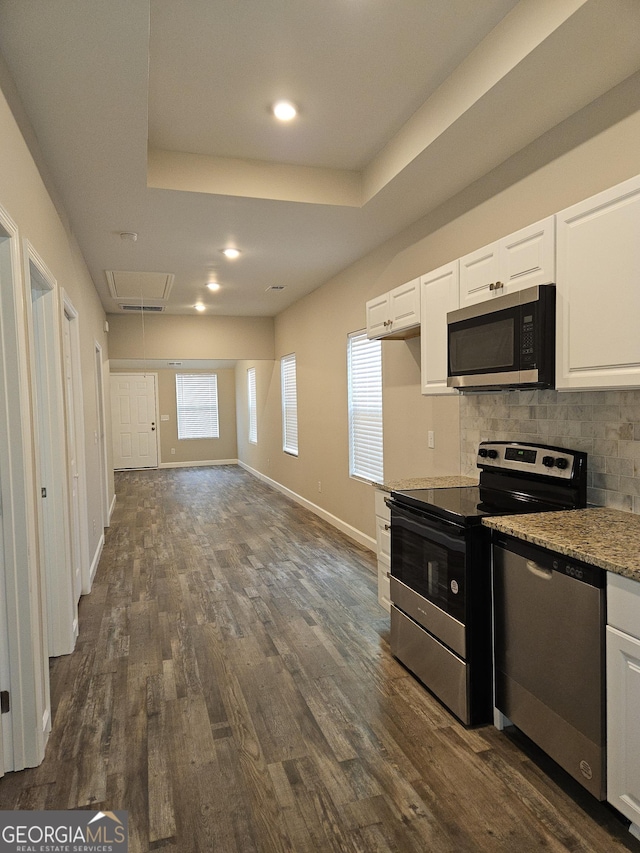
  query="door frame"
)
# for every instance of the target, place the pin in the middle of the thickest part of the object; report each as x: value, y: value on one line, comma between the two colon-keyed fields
x: 30, y: 716
x: 51, y: 461
x: 70, y: 315
x: 102, y: 436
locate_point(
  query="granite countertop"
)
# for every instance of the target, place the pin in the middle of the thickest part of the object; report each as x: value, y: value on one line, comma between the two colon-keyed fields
x: 604, y: 537
x: 446, y: 482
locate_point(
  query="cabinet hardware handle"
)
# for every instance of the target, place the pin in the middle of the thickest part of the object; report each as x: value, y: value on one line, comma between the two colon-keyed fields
x: 497, y: 285
x: 387, y: 527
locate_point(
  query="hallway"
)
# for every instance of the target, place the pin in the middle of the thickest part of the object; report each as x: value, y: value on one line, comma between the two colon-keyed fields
x: 232, y: 689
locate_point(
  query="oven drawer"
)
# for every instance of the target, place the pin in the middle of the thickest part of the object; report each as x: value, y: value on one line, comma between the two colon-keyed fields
x: 449, y: 630
x: 439, y: 669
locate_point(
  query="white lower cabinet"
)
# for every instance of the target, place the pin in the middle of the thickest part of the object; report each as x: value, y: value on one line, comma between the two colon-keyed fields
x: 623, y: 697
x: 383, y: 543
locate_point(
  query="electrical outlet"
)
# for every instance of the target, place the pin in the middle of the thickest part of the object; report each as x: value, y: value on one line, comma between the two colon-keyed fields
x: 173, y: 451
x: 319, y: 486
x: 431, y: 439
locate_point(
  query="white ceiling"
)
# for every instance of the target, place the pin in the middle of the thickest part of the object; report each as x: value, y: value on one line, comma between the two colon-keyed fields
x: 154, y: 118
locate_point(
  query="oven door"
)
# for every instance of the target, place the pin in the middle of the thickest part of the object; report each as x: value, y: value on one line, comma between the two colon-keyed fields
x: 428, y: 580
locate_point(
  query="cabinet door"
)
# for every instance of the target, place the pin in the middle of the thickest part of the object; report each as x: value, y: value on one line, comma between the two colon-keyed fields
x: 439, y: 295
x: 623, y: 731
x: 378, y: 316
x: 384, y: 587
x: 527, y: 258
x: 598, y: 292
x: 479, y: 272
x: 383, y: 539
x: 404, y: 305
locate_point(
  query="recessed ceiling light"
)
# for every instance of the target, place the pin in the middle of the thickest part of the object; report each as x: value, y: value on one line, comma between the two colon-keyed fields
x: 231, y: 253
x: 213, y: 285
x: 284, y: 110
x: 199, y: 306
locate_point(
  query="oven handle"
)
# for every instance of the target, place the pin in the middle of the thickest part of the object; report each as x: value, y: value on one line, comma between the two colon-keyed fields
x: 441, y: 532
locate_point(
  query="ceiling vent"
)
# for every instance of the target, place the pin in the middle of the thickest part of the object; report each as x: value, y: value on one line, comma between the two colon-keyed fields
x: 276, y: 287
x: 153, y: 309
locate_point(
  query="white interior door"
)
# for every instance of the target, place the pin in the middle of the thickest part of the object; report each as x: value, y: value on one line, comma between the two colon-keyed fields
x: 133, y: 416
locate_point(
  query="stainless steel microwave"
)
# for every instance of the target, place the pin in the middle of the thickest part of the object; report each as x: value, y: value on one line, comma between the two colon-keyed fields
x: 506, y: 342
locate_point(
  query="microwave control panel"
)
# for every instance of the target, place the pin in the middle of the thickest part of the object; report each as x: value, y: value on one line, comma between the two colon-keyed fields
x: 528, y: 332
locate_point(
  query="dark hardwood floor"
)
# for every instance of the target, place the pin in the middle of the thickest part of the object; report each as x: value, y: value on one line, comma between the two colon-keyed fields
x: 232, y: 688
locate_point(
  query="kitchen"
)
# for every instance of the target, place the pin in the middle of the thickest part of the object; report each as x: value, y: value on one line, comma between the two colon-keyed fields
x: 589, y: 152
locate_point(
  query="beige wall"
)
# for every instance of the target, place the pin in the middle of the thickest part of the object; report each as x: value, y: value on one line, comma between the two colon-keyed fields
x: 201, y: 449
x: 267, y: 412
x: 186, y: 337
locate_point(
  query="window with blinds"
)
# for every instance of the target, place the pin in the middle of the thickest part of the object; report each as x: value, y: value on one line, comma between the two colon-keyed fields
x: 252, y: 405
x: 289, y: 404
x: 364, y: 364
x: 197, y: 404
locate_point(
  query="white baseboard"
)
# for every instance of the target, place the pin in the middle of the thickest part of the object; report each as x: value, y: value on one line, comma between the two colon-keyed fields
x: 201, y: 464
x: 96, y: 559
x: 357, y: 535
x: 112, y: 507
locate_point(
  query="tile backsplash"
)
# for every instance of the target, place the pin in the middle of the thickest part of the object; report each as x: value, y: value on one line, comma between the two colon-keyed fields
x: 605, y: 424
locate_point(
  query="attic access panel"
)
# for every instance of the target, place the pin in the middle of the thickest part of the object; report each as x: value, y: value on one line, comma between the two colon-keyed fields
x: 141, y: 286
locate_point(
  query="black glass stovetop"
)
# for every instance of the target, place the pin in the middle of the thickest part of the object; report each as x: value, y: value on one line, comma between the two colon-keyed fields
x: 466, y: 505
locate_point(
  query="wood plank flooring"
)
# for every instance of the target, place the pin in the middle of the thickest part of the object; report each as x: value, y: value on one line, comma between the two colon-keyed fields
x: 232, y: 688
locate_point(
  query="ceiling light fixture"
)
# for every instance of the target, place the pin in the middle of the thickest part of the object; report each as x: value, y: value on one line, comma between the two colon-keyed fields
x: 231, y: 253
x: 284, y: 110
x: 213, y: 285
x: 199, y: 306
x: 128, y: 236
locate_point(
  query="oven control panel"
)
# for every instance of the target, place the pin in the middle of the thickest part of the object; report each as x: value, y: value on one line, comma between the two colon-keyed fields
x: 531, y: 458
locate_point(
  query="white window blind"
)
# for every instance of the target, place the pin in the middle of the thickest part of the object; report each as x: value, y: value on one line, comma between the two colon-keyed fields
x: 252, y: 403
x: 197, y: 403
x: 364, y: 358
x: 289, y: 404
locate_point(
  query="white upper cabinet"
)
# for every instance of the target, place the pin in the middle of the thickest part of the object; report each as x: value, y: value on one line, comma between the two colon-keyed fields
x: 439, y: 295
x: 598, y: 291
x: 523, y: 259
x: 479, y: 275
x: 395, y: 314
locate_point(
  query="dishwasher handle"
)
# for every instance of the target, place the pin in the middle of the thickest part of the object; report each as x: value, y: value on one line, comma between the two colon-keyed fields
x: 542, y: 562
x: 539, y: 571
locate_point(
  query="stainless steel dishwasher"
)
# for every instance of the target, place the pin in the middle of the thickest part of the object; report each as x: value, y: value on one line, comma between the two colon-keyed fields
x: 549, y: 654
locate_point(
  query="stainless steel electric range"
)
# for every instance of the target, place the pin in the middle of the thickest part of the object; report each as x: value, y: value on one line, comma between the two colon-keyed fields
x: 441, y: 565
